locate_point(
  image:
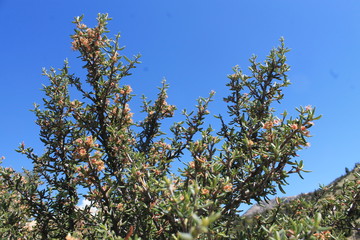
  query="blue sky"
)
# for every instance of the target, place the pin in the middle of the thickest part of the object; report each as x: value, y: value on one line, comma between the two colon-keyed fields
x: 194, y: 44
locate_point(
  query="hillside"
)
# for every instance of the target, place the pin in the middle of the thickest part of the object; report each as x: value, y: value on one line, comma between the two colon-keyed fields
x: 338, y: 202
x: 335, y: 184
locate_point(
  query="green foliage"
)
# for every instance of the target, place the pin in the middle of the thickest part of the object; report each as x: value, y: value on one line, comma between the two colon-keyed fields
x: 94, y: 151
x: 335, y: 206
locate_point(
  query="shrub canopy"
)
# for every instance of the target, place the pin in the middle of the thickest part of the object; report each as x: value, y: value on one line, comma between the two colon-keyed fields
x: 95, y: 151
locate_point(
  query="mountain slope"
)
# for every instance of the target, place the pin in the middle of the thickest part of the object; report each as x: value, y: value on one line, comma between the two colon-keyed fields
x: 338, y: 203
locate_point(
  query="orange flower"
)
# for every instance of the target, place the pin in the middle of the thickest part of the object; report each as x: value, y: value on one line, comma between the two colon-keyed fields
x: 99, y: 165
x: 233, y: 76
x: 268, y: 125
x: 192, y: 164
x: 81, y: 26
x: 294, y: 126
x: 205, y: 191
x: 228, y: 187
x: 276, y: 121
x: 75, y: 45
x: 120, y: 206
x: 128, y: 89
x: 114, y: 58
x: 323, y: 235
x: 69, y: 237
x: 82, y: 152
x: 89, y: 141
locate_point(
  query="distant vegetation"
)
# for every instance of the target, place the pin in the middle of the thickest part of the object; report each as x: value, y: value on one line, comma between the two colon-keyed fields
x: 338, y: 204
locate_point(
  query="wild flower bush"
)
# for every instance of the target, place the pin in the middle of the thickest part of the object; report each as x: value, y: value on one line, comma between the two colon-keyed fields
x: 95, y: 151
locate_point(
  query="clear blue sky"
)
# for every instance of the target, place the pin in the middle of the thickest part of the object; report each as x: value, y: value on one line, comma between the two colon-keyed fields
x: 194, y: 44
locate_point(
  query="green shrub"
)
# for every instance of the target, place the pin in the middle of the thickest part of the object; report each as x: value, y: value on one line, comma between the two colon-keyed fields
x: 95, y: 151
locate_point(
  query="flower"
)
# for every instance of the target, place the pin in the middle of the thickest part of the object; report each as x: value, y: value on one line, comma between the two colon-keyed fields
x: 205, y: 191
x: 323, y: 235
x: 98, y: 164
x: 89, y: 141
x: 157, y: 171
x: 81, y: 26
x: 228, y: 187
x: 294, y: 126
x: 276, y: 121
x: 69, y: 237
x: 114, y: 58
x: 120, y: 206
x: 82, y: 152
x: 192, y: 164
x: 268, y: 125
x: 233, y: 76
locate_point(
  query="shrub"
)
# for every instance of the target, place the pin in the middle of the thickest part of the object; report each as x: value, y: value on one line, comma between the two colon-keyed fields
x: 95, y: 151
